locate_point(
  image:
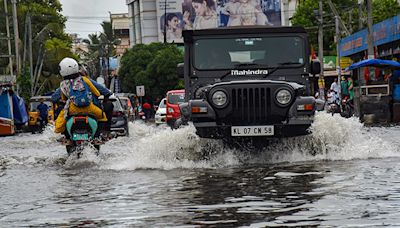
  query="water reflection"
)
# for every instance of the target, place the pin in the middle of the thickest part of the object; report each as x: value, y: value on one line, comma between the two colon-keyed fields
x: 243, y: 196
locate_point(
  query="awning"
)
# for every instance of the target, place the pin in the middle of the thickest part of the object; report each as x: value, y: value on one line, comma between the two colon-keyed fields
x: 375, y: 63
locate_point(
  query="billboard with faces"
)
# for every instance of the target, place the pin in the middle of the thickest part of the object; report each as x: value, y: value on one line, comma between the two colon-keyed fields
x: 204, y: 14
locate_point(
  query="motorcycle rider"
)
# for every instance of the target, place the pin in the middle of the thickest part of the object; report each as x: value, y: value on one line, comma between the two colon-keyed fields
x: 79, y: 93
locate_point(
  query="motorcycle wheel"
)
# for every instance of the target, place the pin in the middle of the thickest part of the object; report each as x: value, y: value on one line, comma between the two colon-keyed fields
x: 97, y: 147
x: 70, y: 149
x: 74, y: 148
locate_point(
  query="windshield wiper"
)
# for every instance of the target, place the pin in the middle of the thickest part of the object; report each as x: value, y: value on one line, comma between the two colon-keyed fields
x: 279, y: 65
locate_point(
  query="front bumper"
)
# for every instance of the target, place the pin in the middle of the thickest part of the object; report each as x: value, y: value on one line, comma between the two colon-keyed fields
x: 293, y: 121
x: 119, y: 126
x: 160, y: 119
x: 212, y: 130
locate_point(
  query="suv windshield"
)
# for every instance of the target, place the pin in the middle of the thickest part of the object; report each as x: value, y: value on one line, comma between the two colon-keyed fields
x: 228, y: 53
x: 176, y: 98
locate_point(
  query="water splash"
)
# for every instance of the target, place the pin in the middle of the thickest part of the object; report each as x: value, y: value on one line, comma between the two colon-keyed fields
x: 159, y: 147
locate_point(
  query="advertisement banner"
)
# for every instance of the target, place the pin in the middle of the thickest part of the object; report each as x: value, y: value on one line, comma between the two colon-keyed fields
x: 177, y: 15
x: 170, y: 20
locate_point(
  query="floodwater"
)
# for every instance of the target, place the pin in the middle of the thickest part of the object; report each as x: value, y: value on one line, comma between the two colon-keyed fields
x: 342, y: 175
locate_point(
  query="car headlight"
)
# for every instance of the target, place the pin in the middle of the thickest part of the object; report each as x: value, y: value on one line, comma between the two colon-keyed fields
x: 283, y: 97
x: 219, y: 98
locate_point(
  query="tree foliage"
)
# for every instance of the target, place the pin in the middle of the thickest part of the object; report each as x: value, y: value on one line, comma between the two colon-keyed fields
x: 152, y: 65
x: 305, y: 16
x: 384, y: 9
x: 100, y: 46
x: 48, y: 35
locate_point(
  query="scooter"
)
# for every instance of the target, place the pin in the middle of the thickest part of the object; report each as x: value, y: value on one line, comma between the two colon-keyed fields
x: 347, y: 108
x: 333, y: 108
x: 82, y: 131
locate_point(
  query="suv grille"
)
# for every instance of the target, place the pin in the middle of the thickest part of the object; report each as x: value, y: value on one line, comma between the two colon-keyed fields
x: 250, y: 105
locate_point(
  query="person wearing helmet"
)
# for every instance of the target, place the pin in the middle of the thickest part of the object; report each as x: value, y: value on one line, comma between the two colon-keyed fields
x: 78, y: 92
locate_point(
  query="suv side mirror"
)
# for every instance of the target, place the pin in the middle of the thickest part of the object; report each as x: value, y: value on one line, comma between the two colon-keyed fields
x: 180, y: 70
x: 315, y: 67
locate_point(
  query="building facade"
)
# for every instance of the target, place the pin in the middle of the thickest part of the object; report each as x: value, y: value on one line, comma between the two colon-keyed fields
x: 120, y: 26
x: 142, y: 16
x: 386, y: 36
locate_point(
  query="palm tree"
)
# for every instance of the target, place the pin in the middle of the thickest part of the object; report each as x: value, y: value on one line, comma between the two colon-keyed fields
x: 95, y: 52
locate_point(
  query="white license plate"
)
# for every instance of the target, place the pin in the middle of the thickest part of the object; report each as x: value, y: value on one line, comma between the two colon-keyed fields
x: 252, y: 130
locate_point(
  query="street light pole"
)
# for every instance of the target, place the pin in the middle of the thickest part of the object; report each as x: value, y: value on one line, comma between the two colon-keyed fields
x: 338, y: 66
x: 165, y: 21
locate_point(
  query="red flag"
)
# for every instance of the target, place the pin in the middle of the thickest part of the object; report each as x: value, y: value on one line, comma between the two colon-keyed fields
x: 313, y: 55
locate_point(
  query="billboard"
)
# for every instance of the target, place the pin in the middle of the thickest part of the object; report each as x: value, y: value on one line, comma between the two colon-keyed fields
x: 177, y: 15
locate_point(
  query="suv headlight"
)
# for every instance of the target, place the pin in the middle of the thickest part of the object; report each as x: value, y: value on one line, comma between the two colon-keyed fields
x: 219, y: 98
x: 283, y: 97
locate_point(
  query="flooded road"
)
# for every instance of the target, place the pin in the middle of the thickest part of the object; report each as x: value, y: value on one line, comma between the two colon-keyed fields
x: 342, y: 175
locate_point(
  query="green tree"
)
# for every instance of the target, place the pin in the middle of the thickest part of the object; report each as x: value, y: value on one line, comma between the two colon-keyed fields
x: 48, y: 24
x: 384, y: 9
x: 305, y: 16
x: 95, y: 52
x: 152, y: 65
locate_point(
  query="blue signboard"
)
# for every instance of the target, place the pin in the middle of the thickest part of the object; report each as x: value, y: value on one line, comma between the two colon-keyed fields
x: 384, y: 32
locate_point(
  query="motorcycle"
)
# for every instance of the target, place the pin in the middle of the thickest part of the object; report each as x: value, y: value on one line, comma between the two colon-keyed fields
x: 347, y: 108
x: 333, y: 108
x: 82, y: 131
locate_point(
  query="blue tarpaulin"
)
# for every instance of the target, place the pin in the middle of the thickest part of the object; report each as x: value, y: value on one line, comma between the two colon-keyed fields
x: 5, y: 106
x: 20, y: 114
x: 375, y: 63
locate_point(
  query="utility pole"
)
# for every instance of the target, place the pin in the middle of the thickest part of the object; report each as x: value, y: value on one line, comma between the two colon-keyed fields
x: 360, y: 19
x: 350, y: 21
x: 165, y: 21
x: 338, y: 38
x: 321, y: 37
x: 16, y: 36
x: 370, y: 38
x: 10, y: 60
x: 321, y: 81
x: 30, y: 53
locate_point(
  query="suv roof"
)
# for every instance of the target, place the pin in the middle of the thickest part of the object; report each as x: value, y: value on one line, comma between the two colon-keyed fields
x: 242, y: 30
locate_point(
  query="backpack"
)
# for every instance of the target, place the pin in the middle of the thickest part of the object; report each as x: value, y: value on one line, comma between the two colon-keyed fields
x: 80, y: 93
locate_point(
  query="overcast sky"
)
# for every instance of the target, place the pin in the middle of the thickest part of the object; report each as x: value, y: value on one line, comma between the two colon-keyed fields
x: 85, y: 16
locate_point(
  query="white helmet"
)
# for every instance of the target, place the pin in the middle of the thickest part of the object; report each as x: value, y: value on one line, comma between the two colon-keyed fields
x: 68, y: 66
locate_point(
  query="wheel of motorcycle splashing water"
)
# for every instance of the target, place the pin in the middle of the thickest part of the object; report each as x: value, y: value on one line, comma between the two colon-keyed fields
x: 77, y: 149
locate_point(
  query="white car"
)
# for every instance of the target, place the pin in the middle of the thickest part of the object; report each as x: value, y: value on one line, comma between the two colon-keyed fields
x: 161, y: 112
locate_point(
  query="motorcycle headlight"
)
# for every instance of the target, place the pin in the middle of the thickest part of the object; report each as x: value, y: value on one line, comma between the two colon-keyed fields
x: 219, y: 98
x: 283, y: 97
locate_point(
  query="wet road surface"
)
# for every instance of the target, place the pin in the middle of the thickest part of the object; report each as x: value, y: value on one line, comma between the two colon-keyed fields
x: 342, y: 175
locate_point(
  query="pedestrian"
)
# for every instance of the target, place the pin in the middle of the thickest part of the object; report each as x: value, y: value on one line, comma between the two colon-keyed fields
x: 43, y: 110
x: 350, y: 85
x: 344, y: 87
x: 335, y: 86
